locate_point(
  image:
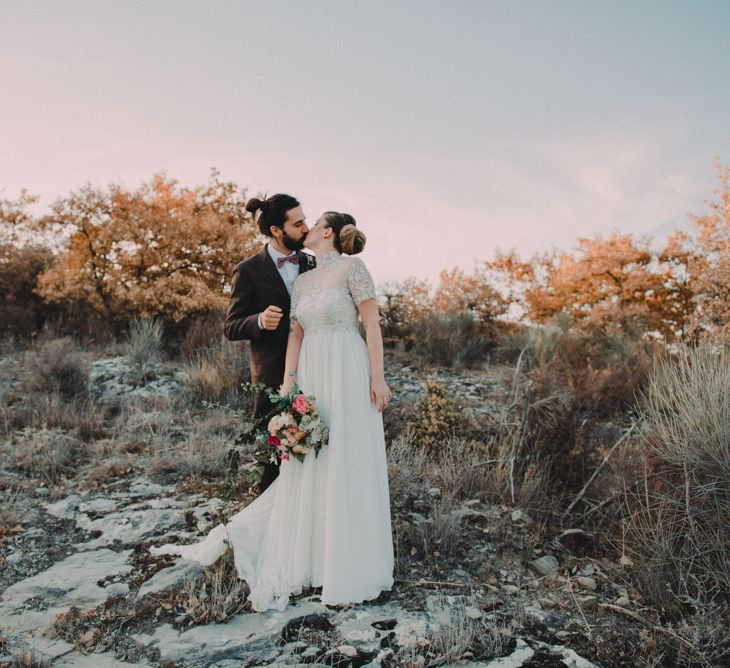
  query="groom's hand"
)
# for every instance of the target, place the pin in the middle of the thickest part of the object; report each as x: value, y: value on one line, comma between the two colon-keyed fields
x: 271, y: 317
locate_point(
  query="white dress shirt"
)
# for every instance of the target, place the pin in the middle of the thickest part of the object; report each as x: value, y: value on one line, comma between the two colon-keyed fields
x: 288, y: 271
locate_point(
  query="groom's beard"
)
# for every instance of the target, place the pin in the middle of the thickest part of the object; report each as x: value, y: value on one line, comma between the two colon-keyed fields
x: 292, y: 244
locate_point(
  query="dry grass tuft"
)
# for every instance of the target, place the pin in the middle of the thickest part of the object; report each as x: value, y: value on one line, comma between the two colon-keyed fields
x: 194, y: 446
x: 216, y: 595
x: 677, y: 529
x: 215, y: 376
x: 26, y: 659
x: 47, y: 454
x: 59, y: 368
x: 144, y: 348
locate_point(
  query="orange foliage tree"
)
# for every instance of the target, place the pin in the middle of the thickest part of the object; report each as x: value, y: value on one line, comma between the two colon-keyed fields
x: 459, y: 292
x: 706, y: 254
x: 617, y: 280
x: 161, y: 250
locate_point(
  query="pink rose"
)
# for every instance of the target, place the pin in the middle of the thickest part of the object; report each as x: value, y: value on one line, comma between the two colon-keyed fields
x: 285, y: 457
x: 300, y: 404
x: 273, y: 440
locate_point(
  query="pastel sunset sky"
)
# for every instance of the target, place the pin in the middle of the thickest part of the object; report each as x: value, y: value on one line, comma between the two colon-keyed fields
x: 448, y: 129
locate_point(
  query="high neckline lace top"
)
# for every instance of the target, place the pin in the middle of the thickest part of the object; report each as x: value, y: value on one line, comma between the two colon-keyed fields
x: 330, y: 259
x: 326, y: 299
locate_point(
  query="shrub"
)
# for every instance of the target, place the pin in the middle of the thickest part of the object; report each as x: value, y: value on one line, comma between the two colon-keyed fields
x: 59, y: 367
x: 216, y: 595
x: 586, y: 377
x: 451, y: 339
x: 216, y: 376
x: 203, y: 335
x: 47, y: 454
x: 437, y: 418
x: 144, y: 348
x: 22, y: 311
x: 677, y: 535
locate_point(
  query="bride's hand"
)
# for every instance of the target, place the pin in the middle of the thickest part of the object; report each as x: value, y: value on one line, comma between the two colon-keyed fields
x: 380, y: 394
x: 287, y: 387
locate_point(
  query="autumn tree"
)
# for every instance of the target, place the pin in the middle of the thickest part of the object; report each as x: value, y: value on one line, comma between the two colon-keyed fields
x: 22, y: 260
x: 706, y: 254
x: 460, y: 292
x: 403, y: 303
x: 161, y: 250
x: 618, y: 280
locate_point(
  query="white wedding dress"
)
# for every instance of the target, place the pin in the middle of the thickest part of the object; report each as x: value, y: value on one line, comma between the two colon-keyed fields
x: 324, y: 521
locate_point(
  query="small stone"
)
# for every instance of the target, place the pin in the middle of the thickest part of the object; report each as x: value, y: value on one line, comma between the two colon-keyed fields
x: 473, y: 613
x: 434, y: 492
x: 589, y: 569
x: 510, y: 589
x: 587, y: 603
x: 347, y: 650
x: 309, y: 652
x: 547, y: 565
x: 625, y: 562
x: 587, y: 583
x: 622, y: 601
x: 547, y: 602
x: 521, y: 516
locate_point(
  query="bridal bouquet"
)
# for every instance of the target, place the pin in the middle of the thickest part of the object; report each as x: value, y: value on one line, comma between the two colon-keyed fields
x: 292, y: 427
x: 296, y: 428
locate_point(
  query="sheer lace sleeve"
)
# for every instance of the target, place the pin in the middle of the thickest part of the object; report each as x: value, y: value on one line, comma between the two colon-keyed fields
x: 295, y: 294
x: 359, y: 281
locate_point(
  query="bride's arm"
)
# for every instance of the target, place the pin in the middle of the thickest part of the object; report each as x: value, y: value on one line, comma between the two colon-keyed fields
x: 380, y: 393
x: 293, y: 346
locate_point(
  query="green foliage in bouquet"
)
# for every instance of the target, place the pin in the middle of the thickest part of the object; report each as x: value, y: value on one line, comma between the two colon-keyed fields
x: 306, y: 427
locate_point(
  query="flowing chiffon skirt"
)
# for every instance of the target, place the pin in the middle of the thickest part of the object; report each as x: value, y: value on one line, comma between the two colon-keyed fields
x: 324, y: 521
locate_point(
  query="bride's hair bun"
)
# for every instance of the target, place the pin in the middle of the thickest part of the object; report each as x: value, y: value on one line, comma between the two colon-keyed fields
x: 348, y: 239
x: 352, y: 240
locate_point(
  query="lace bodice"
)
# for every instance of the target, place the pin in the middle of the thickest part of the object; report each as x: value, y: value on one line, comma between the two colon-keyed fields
x: 326, y: 298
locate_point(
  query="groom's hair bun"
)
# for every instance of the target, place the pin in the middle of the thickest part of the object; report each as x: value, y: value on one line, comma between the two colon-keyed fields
x: 273, y: 210
x: 348, y: 239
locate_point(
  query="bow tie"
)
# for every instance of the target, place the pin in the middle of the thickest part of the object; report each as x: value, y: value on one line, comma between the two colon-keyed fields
x: 293, y: 258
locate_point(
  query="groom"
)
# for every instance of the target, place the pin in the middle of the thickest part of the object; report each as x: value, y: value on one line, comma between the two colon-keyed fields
x: 258, y: 310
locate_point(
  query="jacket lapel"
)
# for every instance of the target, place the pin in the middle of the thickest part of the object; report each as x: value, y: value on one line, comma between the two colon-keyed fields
x: 271, y: 273
x: 306, y: 262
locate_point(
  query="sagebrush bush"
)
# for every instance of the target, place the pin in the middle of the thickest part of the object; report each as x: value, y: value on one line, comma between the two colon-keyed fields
x: 678, y: 529
x: 437, y: 418
x: 59, y: 367
x: 144, y: 347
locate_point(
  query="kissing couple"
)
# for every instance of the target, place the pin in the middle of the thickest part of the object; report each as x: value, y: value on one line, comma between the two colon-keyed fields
x: 320, y: 521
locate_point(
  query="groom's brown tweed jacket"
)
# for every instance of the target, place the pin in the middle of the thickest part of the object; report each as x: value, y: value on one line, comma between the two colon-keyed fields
x: 256, y: 285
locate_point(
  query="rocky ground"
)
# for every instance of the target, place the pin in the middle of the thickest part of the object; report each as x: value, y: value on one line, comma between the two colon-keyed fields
x: 477, y: 584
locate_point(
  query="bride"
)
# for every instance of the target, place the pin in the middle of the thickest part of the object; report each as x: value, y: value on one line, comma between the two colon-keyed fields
x: 324, y: 521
